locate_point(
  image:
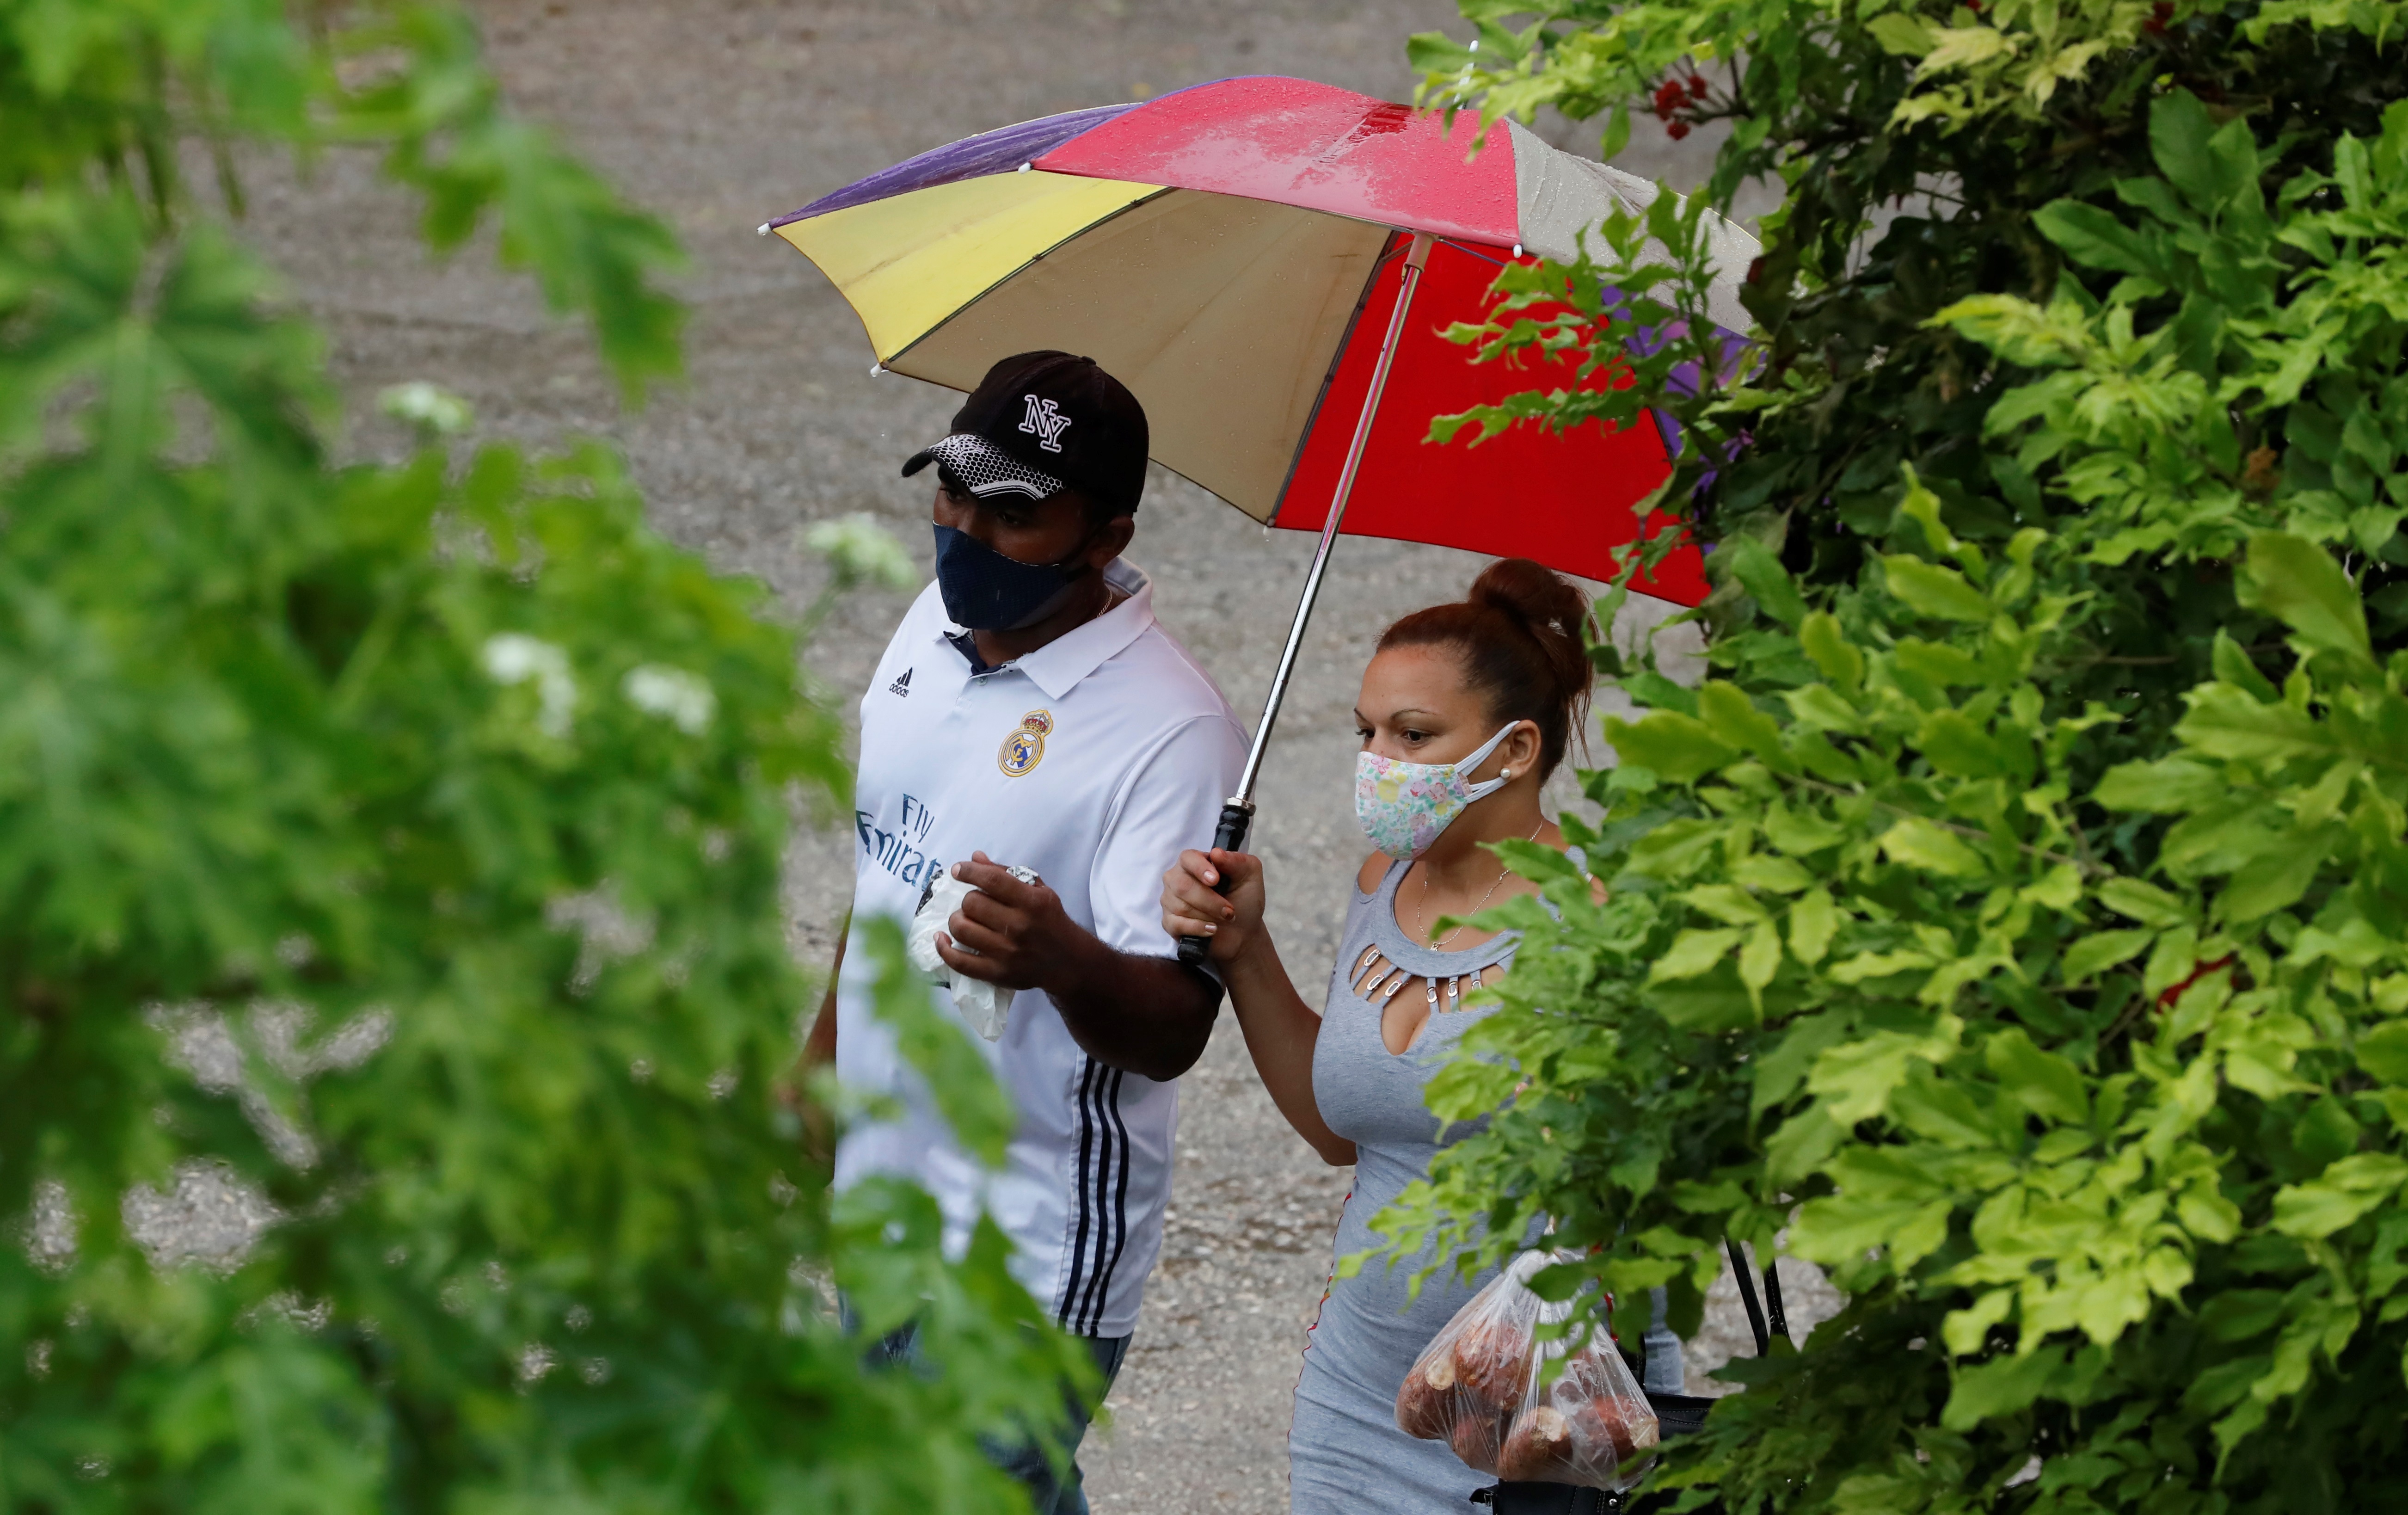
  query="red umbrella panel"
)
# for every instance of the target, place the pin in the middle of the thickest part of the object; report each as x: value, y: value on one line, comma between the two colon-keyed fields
x: 1564, y: 499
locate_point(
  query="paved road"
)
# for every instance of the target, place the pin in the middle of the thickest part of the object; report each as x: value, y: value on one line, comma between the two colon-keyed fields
x: 722, y: 113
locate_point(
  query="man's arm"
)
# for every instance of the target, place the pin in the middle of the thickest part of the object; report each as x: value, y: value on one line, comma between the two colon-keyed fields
x: 1143, y: 1014
x: 819, y: 1052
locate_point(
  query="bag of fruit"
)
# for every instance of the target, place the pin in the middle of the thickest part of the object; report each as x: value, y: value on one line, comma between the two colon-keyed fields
x: 1526, y: 1410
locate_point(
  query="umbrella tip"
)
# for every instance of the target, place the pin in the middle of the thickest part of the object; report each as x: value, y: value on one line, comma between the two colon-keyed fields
x: 1023, y: 168
x: 762, y: 230
x: 1517, y: 247
x: 876, y: 368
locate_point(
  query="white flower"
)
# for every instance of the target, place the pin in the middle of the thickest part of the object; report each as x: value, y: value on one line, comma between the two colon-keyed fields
x: 514, y: 657
x: 671, y: 694
x: 862, y: 552
x: 426, y: 405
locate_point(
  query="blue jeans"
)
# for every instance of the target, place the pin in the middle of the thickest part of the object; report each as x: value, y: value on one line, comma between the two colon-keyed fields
x: 1025, y: 1460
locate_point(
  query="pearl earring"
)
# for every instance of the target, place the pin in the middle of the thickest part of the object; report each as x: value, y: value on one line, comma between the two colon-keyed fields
x: 1506, y: 774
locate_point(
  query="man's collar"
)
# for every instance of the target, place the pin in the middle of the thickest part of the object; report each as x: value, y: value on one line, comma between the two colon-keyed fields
x: 1058, y: 666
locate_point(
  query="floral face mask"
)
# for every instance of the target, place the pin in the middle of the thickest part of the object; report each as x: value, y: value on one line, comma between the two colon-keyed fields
x: 1404, y: 806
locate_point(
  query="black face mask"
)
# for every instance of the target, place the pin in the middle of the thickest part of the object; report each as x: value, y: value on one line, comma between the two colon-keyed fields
x: 986, y: 591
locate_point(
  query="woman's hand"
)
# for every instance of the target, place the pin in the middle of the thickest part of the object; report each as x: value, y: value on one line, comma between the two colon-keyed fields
x: 1192, y: 907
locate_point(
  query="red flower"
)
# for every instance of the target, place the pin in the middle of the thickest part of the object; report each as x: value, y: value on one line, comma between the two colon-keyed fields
x: 1677, y: 130
x: 2160, y: 13
x: 1668, y: 97
x: 1696, y: 86
x: 2166, y: 1000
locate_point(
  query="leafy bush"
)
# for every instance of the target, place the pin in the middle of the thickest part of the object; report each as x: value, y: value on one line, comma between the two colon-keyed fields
x: 2019, y: 913
x: 394, y: 1000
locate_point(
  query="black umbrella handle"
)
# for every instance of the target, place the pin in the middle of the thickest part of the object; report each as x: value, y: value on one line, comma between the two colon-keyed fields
x: 1237, y: 819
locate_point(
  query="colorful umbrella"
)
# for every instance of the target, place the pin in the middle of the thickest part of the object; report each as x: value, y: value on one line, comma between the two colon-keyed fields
x: 1243, y: 254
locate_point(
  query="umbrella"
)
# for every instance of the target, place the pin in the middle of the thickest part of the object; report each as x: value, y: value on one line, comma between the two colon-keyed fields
x: 1243, y: 255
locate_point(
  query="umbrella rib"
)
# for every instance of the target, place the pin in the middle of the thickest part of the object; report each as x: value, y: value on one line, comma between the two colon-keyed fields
x: 1329, y: 376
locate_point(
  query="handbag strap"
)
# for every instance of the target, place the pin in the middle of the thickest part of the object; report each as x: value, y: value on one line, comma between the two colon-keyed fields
x: 1755, y: 1312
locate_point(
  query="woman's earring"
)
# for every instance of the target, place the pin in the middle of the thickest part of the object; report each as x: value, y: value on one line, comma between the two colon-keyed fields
x: 1505, y: 773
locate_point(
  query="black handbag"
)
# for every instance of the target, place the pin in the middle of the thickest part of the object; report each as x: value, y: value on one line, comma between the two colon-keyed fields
x: 1676, y: 1414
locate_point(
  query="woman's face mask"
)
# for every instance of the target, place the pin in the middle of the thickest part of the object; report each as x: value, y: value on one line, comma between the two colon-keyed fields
x: 1405, y: 806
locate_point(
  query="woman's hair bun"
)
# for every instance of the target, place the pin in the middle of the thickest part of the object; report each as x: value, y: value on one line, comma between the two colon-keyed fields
x: 1521, y: 633
x: 1550, y: 605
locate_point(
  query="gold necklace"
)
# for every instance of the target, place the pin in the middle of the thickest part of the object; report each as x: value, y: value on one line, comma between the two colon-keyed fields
x: 1421, y: 909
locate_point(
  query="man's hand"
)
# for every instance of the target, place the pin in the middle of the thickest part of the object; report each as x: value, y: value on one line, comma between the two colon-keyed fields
x: 1015, y: 933
x: 1147, y: 1014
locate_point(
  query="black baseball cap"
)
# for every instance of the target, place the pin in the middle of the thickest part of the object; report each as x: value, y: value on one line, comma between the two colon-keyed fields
x: 1040, y: 422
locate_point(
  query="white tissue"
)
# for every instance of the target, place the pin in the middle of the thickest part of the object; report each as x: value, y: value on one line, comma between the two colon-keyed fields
x: 985, y: 1006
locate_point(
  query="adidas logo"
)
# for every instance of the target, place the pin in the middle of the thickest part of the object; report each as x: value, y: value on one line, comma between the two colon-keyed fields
x: 902, y: 684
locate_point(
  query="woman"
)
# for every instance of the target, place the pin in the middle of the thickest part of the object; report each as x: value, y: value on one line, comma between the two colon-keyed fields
x: 1465, y: 710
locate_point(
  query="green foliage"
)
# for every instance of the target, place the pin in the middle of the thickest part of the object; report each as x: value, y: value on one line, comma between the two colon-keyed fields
x: 2015, y: 918
x: 389, y: 866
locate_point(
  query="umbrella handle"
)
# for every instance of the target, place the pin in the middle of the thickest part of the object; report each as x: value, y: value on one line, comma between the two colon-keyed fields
x: 1237, y: 819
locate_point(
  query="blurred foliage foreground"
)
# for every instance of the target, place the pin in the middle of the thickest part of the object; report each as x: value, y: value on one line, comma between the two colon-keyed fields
x: 393, y: 998
x: 2018, y: 914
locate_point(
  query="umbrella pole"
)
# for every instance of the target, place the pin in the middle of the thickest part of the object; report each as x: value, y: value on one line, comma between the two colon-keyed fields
x: 1238, y: 811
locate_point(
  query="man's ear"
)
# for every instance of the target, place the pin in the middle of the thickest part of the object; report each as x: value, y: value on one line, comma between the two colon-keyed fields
x: 1112, y: 541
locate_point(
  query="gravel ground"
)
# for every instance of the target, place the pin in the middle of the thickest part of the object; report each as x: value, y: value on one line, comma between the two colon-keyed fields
x: 720, y: 113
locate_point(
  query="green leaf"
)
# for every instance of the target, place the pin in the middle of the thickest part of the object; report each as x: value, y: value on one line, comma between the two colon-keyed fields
x: 2095, y: 238
x: 2299, y: 583
x: 2168, y: 786
x: 1692, y: 953
x: 2143, y: 902
x: 1760, y: 573
x: 1939, y: 592
x: 2277, y: 879
x: 2224, y: 722
x: 1924, y: 843
x: 2002, y: 1386
x: 1759, y: 959
x: 1900, y: 34
x: 2087, y: 957
x: 1958, y: 746
x: 1813, y: 920
x: 2043, y: 1082
x: 2179, y: 129
x: 1820, y: 705
x: 2346, y: 1192
x: 1731, y: 717
x: 1830, y: 651
x: 1727, y: 902
x: 2234, y: 665
x: 1799, y: 832
x: 2383, y: 1052
x: 1778, y: 875
x: 1669, y: 744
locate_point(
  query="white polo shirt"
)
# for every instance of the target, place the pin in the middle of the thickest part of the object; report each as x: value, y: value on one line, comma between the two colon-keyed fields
x: 1093, y: 760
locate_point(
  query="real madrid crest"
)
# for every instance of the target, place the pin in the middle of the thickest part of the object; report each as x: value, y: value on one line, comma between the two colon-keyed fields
x: 1026, y: 747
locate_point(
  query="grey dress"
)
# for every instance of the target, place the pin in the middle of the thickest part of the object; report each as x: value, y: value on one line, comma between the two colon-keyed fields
x: 1345, y: 1454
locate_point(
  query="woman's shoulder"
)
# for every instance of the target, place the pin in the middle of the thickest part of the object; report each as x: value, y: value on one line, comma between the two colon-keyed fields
x: 1374, y: 869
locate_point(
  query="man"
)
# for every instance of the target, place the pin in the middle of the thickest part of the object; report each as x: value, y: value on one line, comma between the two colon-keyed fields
x: 1030, y: 714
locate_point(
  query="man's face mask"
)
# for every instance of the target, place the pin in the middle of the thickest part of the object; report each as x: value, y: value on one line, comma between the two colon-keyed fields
x: 1405, y: 806
x: 986, y: 591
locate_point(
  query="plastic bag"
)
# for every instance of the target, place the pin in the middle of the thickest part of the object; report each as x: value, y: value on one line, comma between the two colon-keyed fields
x: 986, y: 1007
x: 1488, y: 1389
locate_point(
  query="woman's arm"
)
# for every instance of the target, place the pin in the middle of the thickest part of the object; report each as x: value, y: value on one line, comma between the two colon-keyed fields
x: 1279, y: 1027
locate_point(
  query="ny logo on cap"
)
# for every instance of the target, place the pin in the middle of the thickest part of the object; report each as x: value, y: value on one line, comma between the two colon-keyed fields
x: 1045, y: 421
